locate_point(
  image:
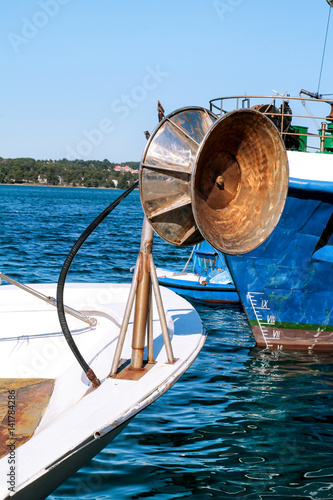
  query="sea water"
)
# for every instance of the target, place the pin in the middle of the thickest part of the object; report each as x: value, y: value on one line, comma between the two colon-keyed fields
x: 242, y: 422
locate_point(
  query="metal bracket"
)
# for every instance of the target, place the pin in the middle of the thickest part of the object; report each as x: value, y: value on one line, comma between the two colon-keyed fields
x: 144, y: 283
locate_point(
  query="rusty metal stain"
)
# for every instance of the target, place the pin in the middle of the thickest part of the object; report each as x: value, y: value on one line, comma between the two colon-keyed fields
x: 31, y: 399
x: 129, y: 373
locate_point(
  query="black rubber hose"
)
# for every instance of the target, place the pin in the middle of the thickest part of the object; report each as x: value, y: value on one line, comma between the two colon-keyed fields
x: 62, y: 279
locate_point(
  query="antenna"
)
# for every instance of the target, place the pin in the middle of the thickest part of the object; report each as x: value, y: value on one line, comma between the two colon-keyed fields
x: 330, y: 2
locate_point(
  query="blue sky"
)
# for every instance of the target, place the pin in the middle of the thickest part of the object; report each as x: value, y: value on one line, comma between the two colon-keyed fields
x: 81, y: 78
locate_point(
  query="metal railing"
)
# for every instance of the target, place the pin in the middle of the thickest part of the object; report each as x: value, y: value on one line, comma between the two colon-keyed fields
x: 92, y: 322
x: 292, y: 116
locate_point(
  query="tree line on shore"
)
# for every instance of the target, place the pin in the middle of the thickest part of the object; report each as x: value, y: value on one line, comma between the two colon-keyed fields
x: 66, y: 172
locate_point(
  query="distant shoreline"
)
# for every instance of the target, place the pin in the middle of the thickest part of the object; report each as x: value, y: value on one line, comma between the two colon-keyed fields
x: 67, y: 173
x: 62, y: 186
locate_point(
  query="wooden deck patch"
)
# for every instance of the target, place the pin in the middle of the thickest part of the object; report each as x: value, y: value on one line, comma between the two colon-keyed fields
x: 23, y: 402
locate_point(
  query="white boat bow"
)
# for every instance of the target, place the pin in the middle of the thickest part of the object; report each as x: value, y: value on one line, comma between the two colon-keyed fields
x: 67, y: 421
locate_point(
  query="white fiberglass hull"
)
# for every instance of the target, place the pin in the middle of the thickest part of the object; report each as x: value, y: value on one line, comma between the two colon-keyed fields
x: 76, y: 422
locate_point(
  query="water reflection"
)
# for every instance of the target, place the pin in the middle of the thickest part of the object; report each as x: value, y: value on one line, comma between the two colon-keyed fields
x: 241, y: 423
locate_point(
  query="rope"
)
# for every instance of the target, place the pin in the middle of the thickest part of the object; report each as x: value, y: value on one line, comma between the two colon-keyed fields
x: 183, y: 271
x: 322, y: 61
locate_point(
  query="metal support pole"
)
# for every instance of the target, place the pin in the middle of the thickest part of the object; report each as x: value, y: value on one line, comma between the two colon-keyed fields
x: 150, y: 337
x: 144, y: 283
x: 140, y: 312
x: 161, y: 313
x: 142, y: 296
x: 322, y: 137
x: 127, y: 314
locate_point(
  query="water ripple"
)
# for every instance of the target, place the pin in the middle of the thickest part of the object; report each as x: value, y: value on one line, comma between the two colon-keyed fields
x: 242, y: 423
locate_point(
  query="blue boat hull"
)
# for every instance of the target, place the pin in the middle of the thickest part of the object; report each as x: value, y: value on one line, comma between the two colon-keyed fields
x: 205, y: 294
x: 286, y: 284
x: 208, y: 282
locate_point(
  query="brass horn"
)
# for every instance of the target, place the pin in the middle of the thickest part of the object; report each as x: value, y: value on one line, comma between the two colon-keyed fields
x: 224, y: 179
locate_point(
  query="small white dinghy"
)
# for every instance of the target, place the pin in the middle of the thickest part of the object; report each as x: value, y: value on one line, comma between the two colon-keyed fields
x: 57, y: 411
x: 52, y: 421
